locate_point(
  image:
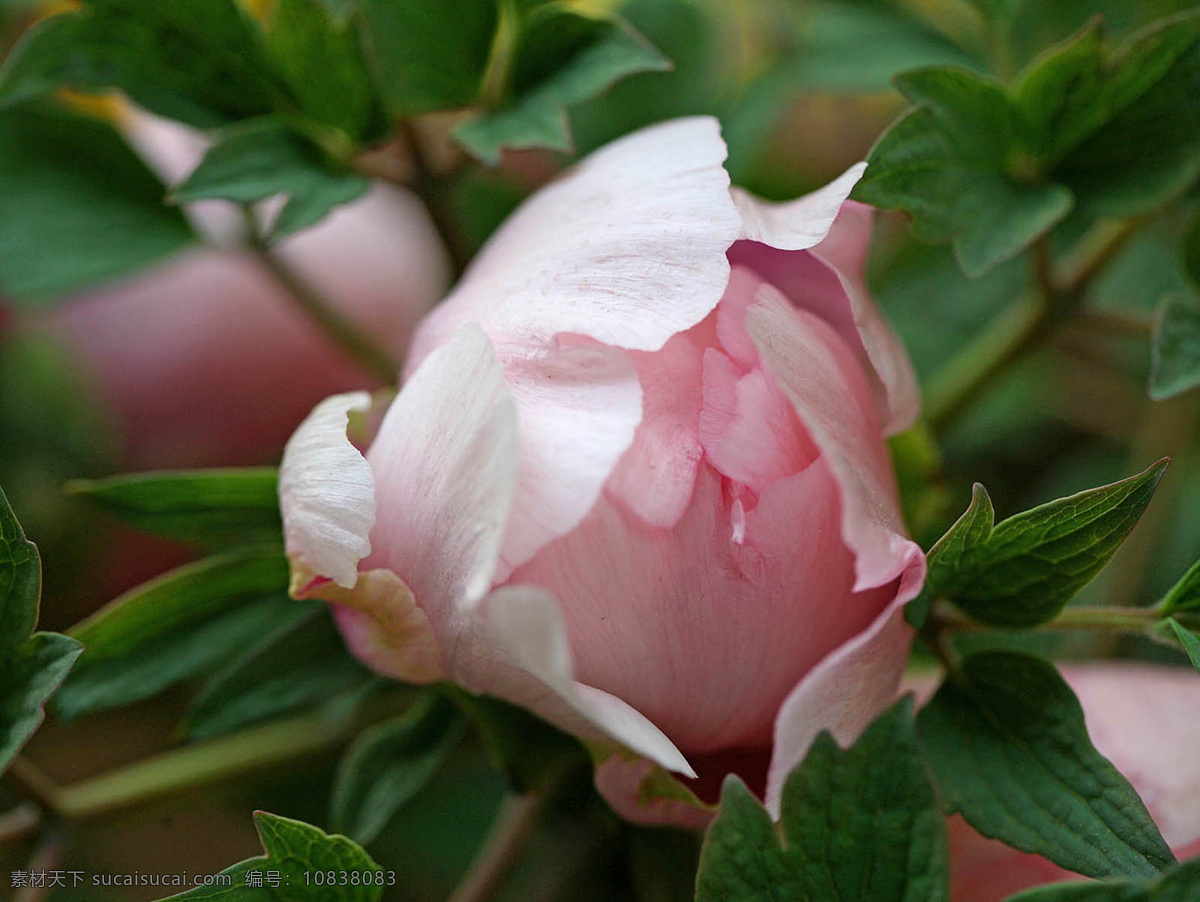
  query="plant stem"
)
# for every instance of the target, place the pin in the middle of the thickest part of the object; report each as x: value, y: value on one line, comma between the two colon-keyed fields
x: 330, y: 320
x: 1087, y: 617
x: 183, y: 767
x: 500, y: 849
x: 19, y: 822
x: 433, y: 189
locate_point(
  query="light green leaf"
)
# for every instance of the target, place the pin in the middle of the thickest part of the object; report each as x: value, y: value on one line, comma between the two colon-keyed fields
x: 297, y: 851
x: 1009, y: 747
x: 78, y: 206
x: 1024, y: 570
x: 538, y: 117
x: 199, y: 61
x: 1184, y: 596
x: 427, y: 54
x: 1175, y: 347
x: 1180, y: 884
x: 181, y: 598
x: 390, y: 763
x: 31, y: 666
x: 1189, y: 641
x: 205, y: 507
x: 861, y: 824
x: 263, y: 158
x: 319, y: 56
x: 301, y: 663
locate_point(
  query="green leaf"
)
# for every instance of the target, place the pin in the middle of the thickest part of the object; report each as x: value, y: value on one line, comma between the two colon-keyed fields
x: 538, y: 116
x: 390, y: 763
x: 302, y: 662
x: 1191, y: 249
x: 205, y: 507
x: 319, y: 56
x: 427, y: 54
x: 31, y: 666
x: 1187, y: 639
x: 199, y: 61
x: 526, y: 749
x: 297, y: 851
x: 78, y: 206
x: 1010, y: 750
x: 173, y: 657
x: 263, y: 158
x: 1180, y: 884
x: 1175, y: 348
x: 180, y: 599
x: 1184, y: 596
x: 1024, y: 570
x: 1144, y: 145
x: 860, y: 824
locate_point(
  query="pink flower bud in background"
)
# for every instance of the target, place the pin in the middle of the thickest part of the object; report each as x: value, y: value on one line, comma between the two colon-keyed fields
x: 1143, y: 719
x: 636, y: 479
x: 205, y: 361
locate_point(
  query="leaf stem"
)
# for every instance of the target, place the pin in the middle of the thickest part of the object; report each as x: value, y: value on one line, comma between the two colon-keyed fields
x: 500, y: 849
x: 433, y: 188
x: 946, y: 617
x: 330, y: 320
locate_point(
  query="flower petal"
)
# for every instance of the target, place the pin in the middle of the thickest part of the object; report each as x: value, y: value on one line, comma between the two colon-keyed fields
x: 628, y: 247
x: 516, y: 649
x: 327, y: 494
x: 847, y: 689
x: 628, y: 785
x: 830, y: 392
x: 799, y: 224
x: 578, y: 405
x: 445, y: 466
x: 384, y: 626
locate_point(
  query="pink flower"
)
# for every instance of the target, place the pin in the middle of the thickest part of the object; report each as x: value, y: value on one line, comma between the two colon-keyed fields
x: 204, y: 360
x: 636, y: 479
x: 1140, y: 717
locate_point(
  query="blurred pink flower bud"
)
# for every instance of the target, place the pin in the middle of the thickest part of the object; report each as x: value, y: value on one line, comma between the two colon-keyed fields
x: 204, y: 360
x: 636, y: 479
x: 1143, y: 719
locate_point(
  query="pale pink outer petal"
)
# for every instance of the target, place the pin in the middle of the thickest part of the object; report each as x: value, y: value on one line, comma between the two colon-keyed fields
x: 848, y: 689
x: 798, y: 224
x: 445, y: 467
x: 515, y: 647
x: 578, y: 405
x: 621, y: 780
x: 819, y: 374
x: 628, y: 247
x: 326, y: 493
x: 384, y: 626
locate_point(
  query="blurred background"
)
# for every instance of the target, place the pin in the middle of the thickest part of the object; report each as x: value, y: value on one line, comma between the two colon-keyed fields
x: 191, y: 355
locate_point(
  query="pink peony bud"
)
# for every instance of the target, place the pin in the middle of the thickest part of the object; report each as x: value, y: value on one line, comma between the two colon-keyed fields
x: 1140, y: 717
x: 205, y: 360
x: 636, y: 479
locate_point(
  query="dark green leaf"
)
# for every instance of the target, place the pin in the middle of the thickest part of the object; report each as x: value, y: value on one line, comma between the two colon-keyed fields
x: 182, y: 598
x: 263, y: 158
x: 28, y: 677
x: 428, y: 54
x: 1187, y: 639
x: 319, y: 57
x: 1010, y: 749
x: 78, y: 205
x: 1180, y: 884
x: 538, y: 117
x: 860, y: 824
x: 205, y: 507
x: 20, y: 582
x: 173, y: 657
x: 302, y: 662
x: 1024, y: 570
x: 1175, y: 348
x: 971, y: 111
x: 1191, y: 249
x: 1184, y: 596
x: 390, y: 763
x: 526, y: 749
x: 199, y: 61
x: 298, y: 851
